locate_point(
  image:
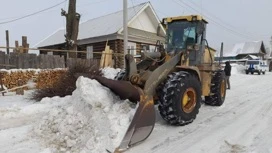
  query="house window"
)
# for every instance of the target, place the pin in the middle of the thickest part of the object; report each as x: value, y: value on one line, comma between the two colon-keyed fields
x: 152, y: 48
x: 132, y: 48
x: 89, y: 52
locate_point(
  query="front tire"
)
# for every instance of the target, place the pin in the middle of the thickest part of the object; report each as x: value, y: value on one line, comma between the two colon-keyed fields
x: 180, y: 97
x: 218, y: 90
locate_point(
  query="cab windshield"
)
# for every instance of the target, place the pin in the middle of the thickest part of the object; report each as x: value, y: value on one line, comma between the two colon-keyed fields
x: 180, y: 34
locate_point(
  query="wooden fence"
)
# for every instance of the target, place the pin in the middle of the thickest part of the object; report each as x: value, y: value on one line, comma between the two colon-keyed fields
x: 42, y: 61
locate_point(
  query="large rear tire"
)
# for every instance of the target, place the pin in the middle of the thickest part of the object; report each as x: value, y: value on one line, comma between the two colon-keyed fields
x: 179, y: 98
x: 218, y: 90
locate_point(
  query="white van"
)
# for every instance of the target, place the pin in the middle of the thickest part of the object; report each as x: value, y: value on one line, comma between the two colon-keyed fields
x: 258, y: 66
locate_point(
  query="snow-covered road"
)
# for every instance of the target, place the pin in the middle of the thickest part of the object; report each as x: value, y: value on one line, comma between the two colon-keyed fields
x: 242, y: 125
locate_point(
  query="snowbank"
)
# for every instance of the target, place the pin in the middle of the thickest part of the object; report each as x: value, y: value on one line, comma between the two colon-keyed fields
x: 92, y: 120
x: 237, y: 69
x: 17, y: 106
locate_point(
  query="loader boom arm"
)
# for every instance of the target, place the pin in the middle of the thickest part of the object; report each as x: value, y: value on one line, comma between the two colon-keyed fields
x: 143, y: 121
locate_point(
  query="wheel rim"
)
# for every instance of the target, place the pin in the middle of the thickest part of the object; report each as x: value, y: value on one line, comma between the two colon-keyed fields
x: 223, y: 88
x: 189, y: 100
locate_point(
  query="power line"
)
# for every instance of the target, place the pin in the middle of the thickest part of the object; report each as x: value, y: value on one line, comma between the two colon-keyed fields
x: 88, y: 4
x: 219, y: 19
x: 33, y: 13
x: 216, y: 23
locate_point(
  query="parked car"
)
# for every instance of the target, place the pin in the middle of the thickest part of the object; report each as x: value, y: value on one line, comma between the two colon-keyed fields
x: 258, y: 66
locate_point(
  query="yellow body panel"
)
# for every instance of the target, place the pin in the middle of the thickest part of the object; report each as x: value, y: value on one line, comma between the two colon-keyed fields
x: 204, y: 71
x: 206, y: 83
x: 207, y: 57
x: 188, y: 18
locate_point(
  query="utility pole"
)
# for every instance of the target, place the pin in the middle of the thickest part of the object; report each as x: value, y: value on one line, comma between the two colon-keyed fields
x: 72, y: 24
x: 125, y: 31
x: 221, y: 53
x: 271, y: 42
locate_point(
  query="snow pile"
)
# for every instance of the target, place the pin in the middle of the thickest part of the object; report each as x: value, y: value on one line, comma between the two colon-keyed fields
x: 25, y: 107
x: 237, y: 69
x: 92, y: 120
x: 110, y: 73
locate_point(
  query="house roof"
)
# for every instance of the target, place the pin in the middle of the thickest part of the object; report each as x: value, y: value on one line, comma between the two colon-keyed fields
x: 101, y: 26
x: 251, y: 57
x: 254, y: 47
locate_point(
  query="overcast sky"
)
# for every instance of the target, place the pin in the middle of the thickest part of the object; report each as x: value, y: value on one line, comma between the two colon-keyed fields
x: 230, y: 21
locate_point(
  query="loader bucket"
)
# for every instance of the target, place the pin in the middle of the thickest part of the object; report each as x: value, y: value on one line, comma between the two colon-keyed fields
x: 144, y: 119
x: 141, y: 125
x: 124, y: 89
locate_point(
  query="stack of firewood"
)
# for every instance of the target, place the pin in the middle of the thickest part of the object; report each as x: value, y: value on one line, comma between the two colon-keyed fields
x: 43, y: 79
x: 10, y: 80
x: 47, y: 78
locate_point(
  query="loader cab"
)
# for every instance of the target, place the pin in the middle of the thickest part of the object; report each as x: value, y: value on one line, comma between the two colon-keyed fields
x: 186, y: 33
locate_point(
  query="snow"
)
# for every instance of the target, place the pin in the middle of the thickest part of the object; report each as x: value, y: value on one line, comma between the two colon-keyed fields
x: 237, y: 69
x: 110, y: 72
x: 93, y: 119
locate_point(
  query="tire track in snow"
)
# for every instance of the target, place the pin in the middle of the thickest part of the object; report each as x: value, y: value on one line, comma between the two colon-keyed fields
x: 236, y: 109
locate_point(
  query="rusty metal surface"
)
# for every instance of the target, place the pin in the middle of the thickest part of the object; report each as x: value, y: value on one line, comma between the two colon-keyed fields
x: 141, y: 125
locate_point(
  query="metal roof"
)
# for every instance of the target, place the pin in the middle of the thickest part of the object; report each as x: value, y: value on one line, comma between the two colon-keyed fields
x: 144, y: 34
x: 96, y: 27
x: 254, y: 47
x: 251, y: 57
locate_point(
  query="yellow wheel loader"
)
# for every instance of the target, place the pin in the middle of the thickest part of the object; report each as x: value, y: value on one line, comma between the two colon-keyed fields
x: 177, y: 79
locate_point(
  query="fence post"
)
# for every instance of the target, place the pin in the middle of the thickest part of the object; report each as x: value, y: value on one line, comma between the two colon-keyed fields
x: 2, y: 59
x: 7, y: 39
x: 20, y: 91
x: 17, y: 46
x: 1, y: 84
x: 25, y: 44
